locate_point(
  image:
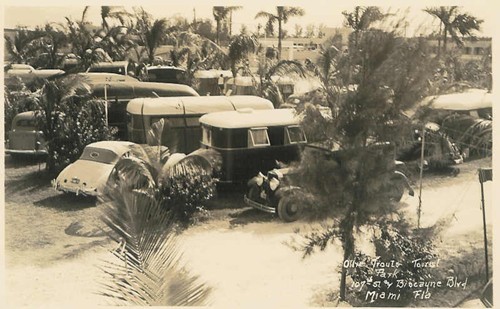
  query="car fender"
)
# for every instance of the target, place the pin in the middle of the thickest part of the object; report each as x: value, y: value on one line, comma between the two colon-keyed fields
x: 292, y: 190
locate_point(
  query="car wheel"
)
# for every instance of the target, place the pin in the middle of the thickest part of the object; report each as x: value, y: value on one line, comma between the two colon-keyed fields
x: 289, y: 209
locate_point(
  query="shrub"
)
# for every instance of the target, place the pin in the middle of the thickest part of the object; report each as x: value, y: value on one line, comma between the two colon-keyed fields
x: 188, y: 194
x: 69, y: 120
x: 17, y: 99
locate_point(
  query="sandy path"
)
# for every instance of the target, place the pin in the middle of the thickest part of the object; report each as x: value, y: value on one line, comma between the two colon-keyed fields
x: 247, y: 264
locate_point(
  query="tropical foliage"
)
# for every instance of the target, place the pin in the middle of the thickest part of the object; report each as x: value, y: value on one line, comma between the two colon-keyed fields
x: 147, y: 270
x: 352, y: 175
x: 69, y: 120
x: 222, y: 13
x: 17, y: 99
x: 454, y: 23
x: 180, y: 183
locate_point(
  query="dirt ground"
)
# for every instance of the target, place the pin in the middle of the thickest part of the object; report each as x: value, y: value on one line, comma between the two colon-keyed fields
x: 54, y: 244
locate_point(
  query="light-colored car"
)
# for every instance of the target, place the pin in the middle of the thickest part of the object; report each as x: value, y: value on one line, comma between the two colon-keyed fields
x: 28, y: 74
x: 88, y: 175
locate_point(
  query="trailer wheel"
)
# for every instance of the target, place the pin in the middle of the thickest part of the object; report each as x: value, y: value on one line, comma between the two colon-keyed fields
x: 290, y: 209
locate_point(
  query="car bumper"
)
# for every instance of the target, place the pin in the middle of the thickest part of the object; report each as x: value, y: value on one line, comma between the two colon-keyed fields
x: 26, y: 152
x: 259, y: 206
x: 78, y: 190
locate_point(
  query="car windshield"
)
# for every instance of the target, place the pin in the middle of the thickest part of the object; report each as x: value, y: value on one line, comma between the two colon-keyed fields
x: 99, y: 155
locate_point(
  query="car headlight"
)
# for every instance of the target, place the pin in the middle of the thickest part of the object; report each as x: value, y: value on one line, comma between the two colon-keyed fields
x: 274, y: 183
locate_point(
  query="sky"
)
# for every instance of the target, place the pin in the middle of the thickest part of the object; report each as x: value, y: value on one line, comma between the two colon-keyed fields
x: 22, y: 13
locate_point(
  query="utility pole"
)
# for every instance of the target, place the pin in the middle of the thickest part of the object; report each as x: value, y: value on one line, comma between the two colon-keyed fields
x: 485, y: 175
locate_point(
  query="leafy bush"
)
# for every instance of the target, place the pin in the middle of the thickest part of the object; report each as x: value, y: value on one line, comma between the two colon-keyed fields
x: 69, y: 120
x: 17, y: 99
x: 187, y: 195
x: 393, y: 243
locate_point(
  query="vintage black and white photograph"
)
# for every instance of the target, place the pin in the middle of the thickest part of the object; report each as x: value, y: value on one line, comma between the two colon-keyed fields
x: 248, y: 154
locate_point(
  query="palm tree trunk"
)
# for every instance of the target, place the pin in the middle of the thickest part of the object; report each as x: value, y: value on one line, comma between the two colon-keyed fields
x: 439, y: 39
x: 279, y: 38
x: 218, y: 31
x: 230, y: 23
x: 445, y: 37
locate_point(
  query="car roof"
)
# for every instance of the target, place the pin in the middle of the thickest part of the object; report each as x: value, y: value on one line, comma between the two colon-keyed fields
x: 195, y: 105
x: 25, y: 115
x: 20, y: 66
x: 114, y: 64
x: 248, y: 118
x: 469, y: 100
x: 117, y: 146
x: 103, y: 77
x: 164, y: 67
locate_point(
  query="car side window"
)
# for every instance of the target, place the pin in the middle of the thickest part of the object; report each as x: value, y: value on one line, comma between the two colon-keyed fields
x: 258, y: 137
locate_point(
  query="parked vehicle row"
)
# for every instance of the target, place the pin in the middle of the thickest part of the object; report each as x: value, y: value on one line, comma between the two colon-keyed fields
x: 181, y: 114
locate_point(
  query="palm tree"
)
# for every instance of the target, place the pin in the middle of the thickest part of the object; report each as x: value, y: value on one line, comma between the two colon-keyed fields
x: 114, y: 12
x: 21, y: 46
x: 231, y: 10
x: 240, y: 47
x: 361, y: 19
x: 271, y: 71
x: 283, y: 13
x: 222, y: 13
x: 453, y: 22
x: 151, y: 32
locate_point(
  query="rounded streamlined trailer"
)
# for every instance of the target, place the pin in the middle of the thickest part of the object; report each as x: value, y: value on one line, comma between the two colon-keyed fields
x: 182, y: 131
x: 251, y: 141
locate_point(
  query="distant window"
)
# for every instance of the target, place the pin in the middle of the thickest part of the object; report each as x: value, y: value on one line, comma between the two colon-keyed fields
x: 468, y: 50
x: 294, y: 134
x: 258, y: 137
x: 478, y: 50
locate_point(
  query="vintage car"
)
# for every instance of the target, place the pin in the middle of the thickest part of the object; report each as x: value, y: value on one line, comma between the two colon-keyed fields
x: 29, y: 74
x: 250, y: 140
x: 181, y: 114
x: 24, y: 137
x: 278, y: 193
x: 88, y: 175
x: 117, y: 90
x: 165, y: 74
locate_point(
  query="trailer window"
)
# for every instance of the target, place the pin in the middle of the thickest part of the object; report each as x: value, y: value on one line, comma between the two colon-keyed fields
x: 294, y: 134
x: 258, y: 137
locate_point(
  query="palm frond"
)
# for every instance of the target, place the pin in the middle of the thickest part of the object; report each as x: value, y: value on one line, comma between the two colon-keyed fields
x: 287, y: 68
x: 148, y: 269
x: 155, y: 133
x: 134, y: 174
x: 204, y: 162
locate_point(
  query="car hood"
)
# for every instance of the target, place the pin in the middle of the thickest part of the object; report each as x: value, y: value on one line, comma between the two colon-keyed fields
x: 93, y: 174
